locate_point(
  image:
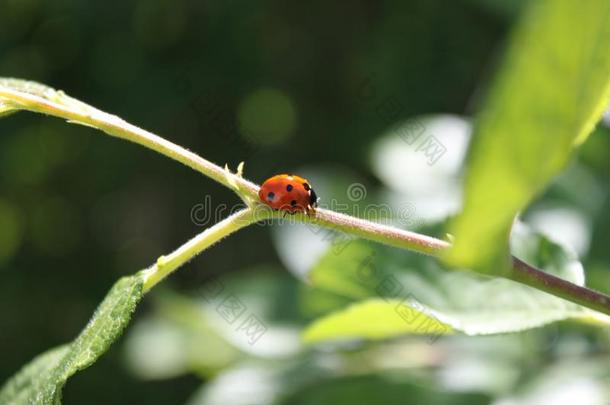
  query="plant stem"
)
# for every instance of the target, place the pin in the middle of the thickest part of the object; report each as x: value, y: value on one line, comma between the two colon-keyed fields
x: 76, y: 112
x: 167, y: 264
x: 59, y: 105
x: 388, y: 235
x: 587, y: 297
x: 519, y: 271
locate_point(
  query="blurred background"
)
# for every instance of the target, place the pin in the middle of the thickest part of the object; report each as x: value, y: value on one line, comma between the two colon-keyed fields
x: 337, y: 93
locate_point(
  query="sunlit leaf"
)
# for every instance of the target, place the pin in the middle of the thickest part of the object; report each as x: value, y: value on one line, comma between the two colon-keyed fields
x: 42, y: 380
x: 377, y: 319
x: 377, y: 279
x: 552, y: 89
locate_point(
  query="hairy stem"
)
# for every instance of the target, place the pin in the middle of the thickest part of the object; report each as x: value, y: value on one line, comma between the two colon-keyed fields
x: 167, y: 264
x: 59, y: 105
x: 519, y: 271
x: 84, y: 114
x: 388, y: 235
x: 587, y: 297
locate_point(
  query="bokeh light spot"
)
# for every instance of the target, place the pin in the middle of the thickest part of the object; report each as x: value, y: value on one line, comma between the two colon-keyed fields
x: 267, y: 116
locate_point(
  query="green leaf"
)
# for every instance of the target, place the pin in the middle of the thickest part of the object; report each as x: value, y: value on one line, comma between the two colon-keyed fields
x: 547, y: 98
x: 28, y: 375
x: 377, y: 319
x: 328, y: 271
x: 376, y: 279
x: 41, y: 381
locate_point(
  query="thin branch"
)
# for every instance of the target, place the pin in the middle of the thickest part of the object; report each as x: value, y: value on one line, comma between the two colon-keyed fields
x: 519, y: 271
x: 587, y: 297
x: 167, y: 264
x: 81, y: 113
x: 75, y: 111
x: 388, y: 235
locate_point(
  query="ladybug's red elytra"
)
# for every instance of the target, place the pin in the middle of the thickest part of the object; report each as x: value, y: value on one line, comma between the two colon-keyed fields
x: 289, y: 193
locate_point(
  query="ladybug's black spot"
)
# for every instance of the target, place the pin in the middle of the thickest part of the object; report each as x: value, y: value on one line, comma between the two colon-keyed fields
x: 271, y: 196
x: 306, y: 186
x: 289, y: 187
x: 293, y: 203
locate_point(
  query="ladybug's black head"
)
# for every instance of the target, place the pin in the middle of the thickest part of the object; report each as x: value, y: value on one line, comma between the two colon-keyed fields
x: 313, y: 198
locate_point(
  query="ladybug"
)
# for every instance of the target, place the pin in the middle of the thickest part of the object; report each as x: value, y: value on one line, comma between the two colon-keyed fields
x: 289, y: 193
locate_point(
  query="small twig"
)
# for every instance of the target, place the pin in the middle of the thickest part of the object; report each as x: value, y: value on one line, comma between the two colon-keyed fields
x: 385, y: 234
x: 165, y: 265
x: 115, y: 126
x: 86, y: 115
x: 587, y: 297
x: 519, y: 271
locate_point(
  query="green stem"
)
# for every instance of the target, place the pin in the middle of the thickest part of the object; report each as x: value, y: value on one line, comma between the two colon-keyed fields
x: 529, y: 275
x: 388, y: 235
x: 519, y: 270
x: 165, y: 265
x: 80, y: 113
x: 59, y: 105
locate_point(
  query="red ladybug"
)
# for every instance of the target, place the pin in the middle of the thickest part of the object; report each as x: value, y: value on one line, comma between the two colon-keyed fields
x: 288, y: 193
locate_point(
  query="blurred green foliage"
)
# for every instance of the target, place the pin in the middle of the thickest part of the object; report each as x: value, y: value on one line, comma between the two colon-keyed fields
x: 552, y: 89
x: 314, y: 88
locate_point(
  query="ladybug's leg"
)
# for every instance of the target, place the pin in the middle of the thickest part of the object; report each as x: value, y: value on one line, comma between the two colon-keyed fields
x: 289, y: 213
